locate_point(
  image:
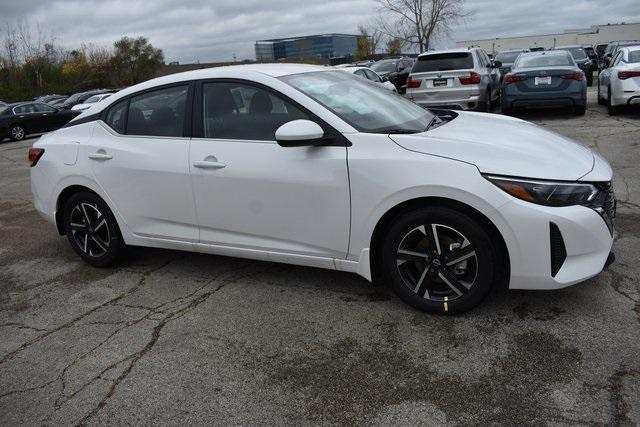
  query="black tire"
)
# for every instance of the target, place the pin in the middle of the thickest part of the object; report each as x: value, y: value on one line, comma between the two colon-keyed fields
x: 506, y: 111
x: 612, y: 110
x: 600, y: 100
x: 17, y: 132
x: 442, y: 289
x: 92, y: 230
x: 580, y: 110
x: 485, y: 105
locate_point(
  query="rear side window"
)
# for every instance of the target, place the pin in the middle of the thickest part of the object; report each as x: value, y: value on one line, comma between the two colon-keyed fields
x: 116, y: 116
x: 158, y: 113
x: 634, y: 56
x: 443, y: 62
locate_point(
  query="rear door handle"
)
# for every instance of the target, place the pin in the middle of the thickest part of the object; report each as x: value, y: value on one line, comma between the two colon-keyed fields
x: 205, y: 164
x: 100, y: 156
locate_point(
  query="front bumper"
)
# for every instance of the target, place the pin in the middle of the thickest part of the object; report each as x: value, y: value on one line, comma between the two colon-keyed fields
x: 539, y: 260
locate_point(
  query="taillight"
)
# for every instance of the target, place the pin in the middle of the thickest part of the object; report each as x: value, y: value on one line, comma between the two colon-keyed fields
x: 578, y: 75
x: 34, y: 155
x: 510, y: 78
x: 472, y: 79
x: 623, y: 75
x: 412, y: 84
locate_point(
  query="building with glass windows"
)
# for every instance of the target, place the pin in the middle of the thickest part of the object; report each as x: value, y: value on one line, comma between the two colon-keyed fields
x: 307, y: 47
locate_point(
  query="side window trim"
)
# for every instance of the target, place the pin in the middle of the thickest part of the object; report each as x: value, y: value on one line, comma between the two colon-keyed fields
x: 197, y: 130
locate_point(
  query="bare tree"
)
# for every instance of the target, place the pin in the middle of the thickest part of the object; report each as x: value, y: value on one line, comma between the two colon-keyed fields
x: 416, y: 22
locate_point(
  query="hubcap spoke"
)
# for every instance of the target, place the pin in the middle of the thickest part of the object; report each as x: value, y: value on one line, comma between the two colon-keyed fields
x: 452, y: 282
x: 100, y: 224
x: 407, y: 254
x: 459, y: 255
x: 99, y: 243
x: 434, y: 239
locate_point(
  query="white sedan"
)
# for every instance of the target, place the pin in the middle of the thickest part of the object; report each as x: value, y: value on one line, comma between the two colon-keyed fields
x: 88, y: 103
x: 369, y: 74
x: 313, y: 166
x: 619, y: 84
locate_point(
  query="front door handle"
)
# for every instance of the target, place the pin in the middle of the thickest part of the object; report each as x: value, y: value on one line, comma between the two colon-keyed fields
x: 206, y: 164
x: 100, y: 156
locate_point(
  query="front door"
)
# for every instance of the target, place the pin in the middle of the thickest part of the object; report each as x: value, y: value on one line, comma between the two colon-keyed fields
x: 140, y: 157
x: 252, y: 193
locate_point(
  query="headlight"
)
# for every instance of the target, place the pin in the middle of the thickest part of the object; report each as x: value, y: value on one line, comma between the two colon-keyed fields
x: 547, y: 193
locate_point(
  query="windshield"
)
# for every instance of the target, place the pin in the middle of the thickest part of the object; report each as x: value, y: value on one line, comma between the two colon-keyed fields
x: 3, y: 108
x: 366, y: 107
x: 507, y: 57
x: 528, y: 61
x: 92, y: 100
x: 384, y: 66
x: 576, y: 52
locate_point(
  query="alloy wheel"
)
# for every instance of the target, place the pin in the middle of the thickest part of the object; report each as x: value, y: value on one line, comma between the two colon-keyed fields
x: 437, y: 262
x: 17, y: 132
x: 90, y: 230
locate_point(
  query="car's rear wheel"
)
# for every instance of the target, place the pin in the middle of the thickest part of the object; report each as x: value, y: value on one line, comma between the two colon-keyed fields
x: 92, y: 229
x: 438, y: 260
x: 485, y: 105
x: 580, y: 110
x: 600, y: 100
x: 611, y: 109
x: 17, y: 132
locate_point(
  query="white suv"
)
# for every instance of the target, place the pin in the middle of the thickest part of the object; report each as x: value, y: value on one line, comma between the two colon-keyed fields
x: 318, y: 167
x: 457, y: 78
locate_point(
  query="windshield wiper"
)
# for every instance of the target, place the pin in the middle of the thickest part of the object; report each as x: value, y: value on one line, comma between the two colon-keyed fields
x: 435, y: 121
x: 398, y: 131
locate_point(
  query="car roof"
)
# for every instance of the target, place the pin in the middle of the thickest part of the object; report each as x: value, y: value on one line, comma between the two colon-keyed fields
x: 631, y: 48
x: 455, y: 50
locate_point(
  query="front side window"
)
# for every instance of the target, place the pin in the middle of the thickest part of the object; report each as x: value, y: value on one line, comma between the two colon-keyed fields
x: 244, y: 112
x: 44, y: 108
x: 363, y: 105
x: 158, y: 113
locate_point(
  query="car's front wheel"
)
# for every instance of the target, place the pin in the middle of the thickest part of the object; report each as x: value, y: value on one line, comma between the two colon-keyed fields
x: 92, y: 229
x: 17, y: 133
x: 438, y: 260
x: 600, y: 100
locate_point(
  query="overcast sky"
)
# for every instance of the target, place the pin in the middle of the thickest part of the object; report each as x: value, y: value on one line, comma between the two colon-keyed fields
x: 213, y: 30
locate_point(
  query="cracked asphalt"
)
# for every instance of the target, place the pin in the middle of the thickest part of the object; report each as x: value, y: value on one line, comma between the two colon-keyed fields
x: 180, y: 338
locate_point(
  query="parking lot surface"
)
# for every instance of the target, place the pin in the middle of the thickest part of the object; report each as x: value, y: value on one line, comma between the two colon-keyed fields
x: 174, y: 337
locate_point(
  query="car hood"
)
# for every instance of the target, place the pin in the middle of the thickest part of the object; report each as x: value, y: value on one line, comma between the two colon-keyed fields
x: 503, y: 145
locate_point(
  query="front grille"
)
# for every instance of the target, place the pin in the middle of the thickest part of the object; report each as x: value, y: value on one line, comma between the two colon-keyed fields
x: 605, y: 204
x: 558, y: 250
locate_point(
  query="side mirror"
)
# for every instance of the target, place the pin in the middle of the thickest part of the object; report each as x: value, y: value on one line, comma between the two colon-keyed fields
x: 496, y: 64
x: 299, y: 133
x: 384, y: 79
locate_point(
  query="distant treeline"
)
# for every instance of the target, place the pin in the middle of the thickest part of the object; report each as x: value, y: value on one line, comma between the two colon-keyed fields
x: 32, y: 66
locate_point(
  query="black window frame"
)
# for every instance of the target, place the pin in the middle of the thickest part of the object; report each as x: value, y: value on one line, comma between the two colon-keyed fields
x: 186, y: 126
x: 331, y: 137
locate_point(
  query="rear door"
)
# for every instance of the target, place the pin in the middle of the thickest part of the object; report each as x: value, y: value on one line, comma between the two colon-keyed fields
x: 439, y: 74
x: 48, y: 118
x: 139, y: 155
x: 250, y: 192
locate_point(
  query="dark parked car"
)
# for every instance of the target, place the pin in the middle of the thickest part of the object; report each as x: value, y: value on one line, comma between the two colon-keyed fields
x: 395, y: 69
x: 79, y: 98
x: 543, y: 79
x: 58, y: 102
x: 600, y: 49
x: 507, y: 58
x: 582, y: 60
x: 22, y: 118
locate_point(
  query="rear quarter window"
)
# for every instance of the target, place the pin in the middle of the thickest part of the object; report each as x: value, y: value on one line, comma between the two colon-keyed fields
x: 443, y: 62
x: 634, y: 56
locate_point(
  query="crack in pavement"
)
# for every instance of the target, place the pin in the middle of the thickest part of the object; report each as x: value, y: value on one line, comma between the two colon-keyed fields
x: 78, y: 318
x: 619, y: 407
x: 134, y: 358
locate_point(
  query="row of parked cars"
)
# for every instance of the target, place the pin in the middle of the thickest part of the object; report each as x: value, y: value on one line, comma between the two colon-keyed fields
x: 45, y: 113
x: 472, y: 79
